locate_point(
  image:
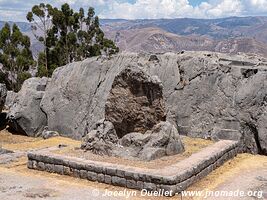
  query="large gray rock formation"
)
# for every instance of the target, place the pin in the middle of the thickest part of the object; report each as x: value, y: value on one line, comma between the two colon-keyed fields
x: 10, y: 99
x: 102, y: 140
x: 135, y: 102
x: 162, y: 140
x: 25, y: 115
x: 134, y: 112
x: 208, y: 95
x: 3, y: 93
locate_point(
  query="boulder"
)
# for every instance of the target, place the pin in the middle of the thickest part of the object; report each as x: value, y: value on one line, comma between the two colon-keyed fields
x: 25, y: 115
x: 75, y: 98
x: 3, y: 93
x: 261, y: 133
x: 208, y: 95
x: 134, y: 112
x: 102, y: 139
x: 10, y: 99
x: 221, y: 98
x: 46, y: 134
x: 135, y: 102
x: 162, y: 140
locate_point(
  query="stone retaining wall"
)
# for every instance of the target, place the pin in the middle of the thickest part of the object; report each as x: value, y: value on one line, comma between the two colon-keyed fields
x: 171, y: 179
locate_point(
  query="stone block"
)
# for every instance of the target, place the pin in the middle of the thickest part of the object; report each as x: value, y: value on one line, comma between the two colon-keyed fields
x: 120, y: 173
x: 83, y: 174
x: 67, y: 171
x: 150, y: 186
x: 140, y: 185
x: 58, y: 169
x: 49, y: 167
x: 30, y: 164
x: 92, y: 176
x: 41, y: 166
x: 111, y: 171
x: 76, y: 173
x: 108, y: 179
x: 118, y: 181
x: 101, y: 178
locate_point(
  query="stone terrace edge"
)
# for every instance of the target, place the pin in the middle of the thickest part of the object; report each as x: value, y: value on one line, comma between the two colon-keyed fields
x: 174, y: 178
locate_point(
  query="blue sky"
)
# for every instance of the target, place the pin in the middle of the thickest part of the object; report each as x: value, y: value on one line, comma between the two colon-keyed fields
x: 195, y: 2
x: 16, y: 10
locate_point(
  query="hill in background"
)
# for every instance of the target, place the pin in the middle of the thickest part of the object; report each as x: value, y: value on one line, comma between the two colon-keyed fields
x: 228, y: 35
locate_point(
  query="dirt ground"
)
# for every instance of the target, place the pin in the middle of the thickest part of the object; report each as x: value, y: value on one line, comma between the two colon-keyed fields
x: 192, y: 145
x: 243, y: 173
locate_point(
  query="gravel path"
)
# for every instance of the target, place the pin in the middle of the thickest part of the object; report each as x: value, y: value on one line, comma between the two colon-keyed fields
x: 16, y: 186
x: 252, y: 182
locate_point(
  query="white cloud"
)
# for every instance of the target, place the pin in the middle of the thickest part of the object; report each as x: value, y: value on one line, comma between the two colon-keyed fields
x: 256, y: 7
x: 148, y: 9
x: 226, y: 8
x: 173, y: 8
x: 17, y: 9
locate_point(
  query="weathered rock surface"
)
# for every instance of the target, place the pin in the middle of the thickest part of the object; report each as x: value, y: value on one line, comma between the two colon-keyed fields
x: 25, y: 115
x: 3, y: 93
x: 102, y: 140
x: 10, y: 99
x: 134, y: 112
x: 162, y: 140
x: 135, y: 102
x: 208, y: 95
x: 46, y: 134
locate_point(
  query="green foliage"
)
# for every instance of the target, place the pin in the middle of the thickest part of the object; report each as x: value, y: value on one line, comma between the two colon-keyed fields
x: 70, y: 36
x: 15, y: 55
x: 40, y: 17
x: 67, y: 36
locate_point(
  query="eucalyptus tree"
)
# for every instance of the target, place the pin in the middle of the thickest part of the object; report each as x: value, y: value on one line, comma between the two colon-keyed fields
x: 40, y: 18
x: 15, y: 56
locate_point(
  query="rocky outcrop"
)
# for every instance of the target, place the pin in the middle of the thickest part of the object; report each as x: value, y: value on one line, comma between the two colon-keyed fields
x: 222, y: 97
x: 102, y: 140
x: 162, y: 140
x: 10, y: 99
x: 3, y: 93
x: 75, y: 98
x: 25, y: 115
x: 135, y: 102
x: 208, y: 95
x: 134, y: 112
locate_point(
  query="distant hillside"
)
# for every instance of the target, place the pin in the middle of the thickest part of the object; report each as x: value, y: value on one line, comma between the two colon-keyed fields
x: 228, y: 35
x: 223, y: 28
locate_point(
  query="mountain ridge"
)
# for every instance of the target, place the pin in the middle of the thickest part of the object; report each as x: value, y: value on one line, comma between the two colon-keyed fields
x: 227, y: 35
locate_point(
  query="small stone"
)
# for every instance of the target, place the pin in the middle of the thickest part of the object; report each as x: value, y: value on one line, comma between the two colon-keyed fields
x: 66, y: 170
x: 46, y: 134
x: 150, y: 186
x: 140, y: 185
x: 131, y: 184
x: 101, y: 178
x: 30, y: 164
x: 76, y: 173
x: 83, y: 174
x: 118, y: 181
x: 49, y: 167
x: 107, y: 179
x: 41, y: 166
x: 58, y: 169
x: 92, y: 176
x: 111, y: 171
